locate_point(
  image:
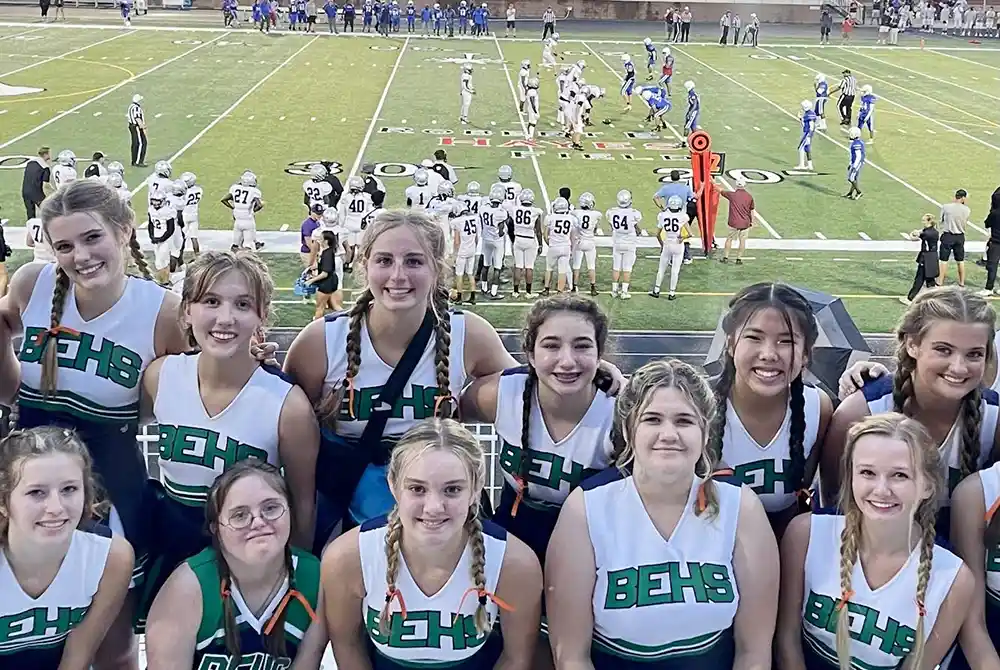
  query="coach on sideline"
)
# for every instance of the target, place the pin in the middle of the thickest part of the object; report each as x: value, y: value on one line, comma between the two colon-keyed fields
x: 36, y: 176
x: 954, y: 218
x: 137, y: 129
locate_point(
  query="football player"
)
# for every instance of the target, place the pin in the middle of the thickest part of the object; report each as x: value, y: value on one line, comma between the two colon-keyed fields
x: 584, y: 243
x: 805, y: 142
x: 192, y: 200
x: 161, y: 179
x: 668, y: 69
x: 857, y: 162
x: 494, y: 226
x: 441, y: 206
x: 532, y: 107
x: 672, y: 225
x: 866, y: 112
x: 419, y: 194
x: 624, y: 220
x: 245, y: 199
x: 317, y: 190
x: 65, y: 169
x: 628, y: 81
x: 178, y: 198
x: 562, y: 83
x: 354, y: 208
x: 822, y: 95
x: 472, y: 197
x: 466, y: 93
x: 658, y: 108
x: 465, y: 240
x: 34, y: 237
x: 162, y: 219
x: 693, y: 109
x: 522, y: 83
x: 579, y: 111
x: 527, y: 226
x: 650, y: 58
x: 557, y: 229
x: 549, y: 51
x: 115, y: 182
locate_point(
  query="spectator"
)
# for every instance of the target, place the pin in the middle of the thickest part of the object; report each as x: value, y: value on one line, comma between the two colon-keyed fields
x: 686, y: 17
x: 311, y: 223
x: 927, y: 258
x: 740, y: 219
x: 36, y: 175
x: 511, y: 29
x: 326, y: 280
x: 954, y: 218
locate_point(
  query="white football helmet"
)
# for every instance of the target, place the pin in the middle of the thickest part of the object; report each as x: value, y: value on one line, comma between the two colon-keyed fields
x: 854, y: 133
x: 318, y: 171
x: 806, y: 105
x: 533, y: 82
x: 624, y: 198
x: 666, y: 51
x: 355, y: 184
x: 189, y: 179
x: 466, y: 68
x: 162, y: 169
x: 420, y: 177
x: 647, y: 41
x: 560, y: 205
x: 459, y: 208
x: 674, y: 203
x: 526, y: 63
x: 866, y: 89
x: 689, y: 85
x: 820, y: 77
x: 505, y: 173
x: 156, y: 198
x: 248, y: 178
x: 67, y: 158
x: 587, y: 201
x: 582, y: 64
x: 527, y: 197
x: 330, y: 217
x: 114, y: 180
x: 446, y: 188
x: 115, y: 166
x: 472, y: 188
x: 497, y: 194
x: 555, y: 36
x: 626, y: 58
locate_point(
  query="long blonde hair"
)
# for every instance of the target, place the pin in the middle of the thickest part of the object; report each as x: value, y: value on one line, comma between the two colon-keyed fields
x: 927, y: 469
x: 450, y: 436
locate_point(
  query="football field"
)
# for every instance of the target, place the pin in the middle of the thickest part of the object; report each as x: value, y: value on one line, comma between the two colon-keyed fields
x: 219, y: 102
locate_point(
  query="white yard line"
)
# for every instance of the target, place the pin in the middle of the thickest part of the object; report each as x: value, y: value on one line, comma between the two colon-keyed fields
x: 25, y: 32
x: 767, y: 226
x: 904, y: 88
x: 68, y: 53
x: 109, y: 92
x: 910, y: 187
x: 226, y: 113
x: 378, y: 110
x: 901, y: 106
x: 940, y: 52
x: 524, y: 129
x: 956, y: 84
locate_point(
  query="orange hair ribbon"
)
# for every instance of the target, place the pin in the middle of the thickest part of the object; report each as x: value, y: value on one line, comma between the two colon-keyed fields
x: 992, y: 510
x: 485, y: 595
x: 55, y: 332
x: 443, y: 399
x: 522, y: 487
x: 702, y: 501
x: 291, y: 593
x: 805, y: 496
x: 349, y: 382
x: 846, y: 598
x: 921, y: 610
x: 395, y: 594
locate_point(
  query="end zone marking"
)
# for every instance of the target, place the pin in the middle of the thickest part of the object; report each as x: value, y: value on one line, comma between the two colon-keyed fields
x: 378, y: 109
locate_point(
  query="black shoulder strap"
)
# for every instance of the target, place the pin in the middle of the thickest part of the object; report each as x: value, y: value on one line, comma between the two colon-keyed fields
x: 393, y: 387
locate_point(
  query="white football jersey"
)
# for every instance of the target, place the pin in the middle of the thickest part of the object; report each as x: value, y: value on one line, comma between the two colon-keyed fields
x: 671, y: 223
x: 243, y: 200
x: 511, y: 192
x: 623, y: 224
x: 42, y: 250
x: 419, y: 196
x: 474, y: 202
x: 550, y: 44
x: 490, y: 221
x: 192, y: 199
x: 161, y: 185
x: 531, y: 100
x: 354, y: 207
x: 468, y: 234
x: 317, y: 191
x: 561, y: 80
x: 62, y: 175
x: 124, y: 194
x: 440, y: 207
x: 522, y: 76
x: 587, y: 221
x: 466, y: 82
x: 559, y: 227
x: 162, y: 222
x: 524, y: 220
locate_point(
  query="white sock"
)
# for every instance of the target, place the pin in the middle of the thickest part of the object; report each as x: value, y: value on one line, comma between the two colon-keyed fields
x: 624, y: 287
x: 614, y: 287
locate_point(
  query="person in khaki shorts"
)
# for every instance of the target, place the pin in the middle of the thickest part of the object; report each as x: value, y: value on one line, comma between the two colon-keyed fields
x: 740, y: 219
x: 954, y: 219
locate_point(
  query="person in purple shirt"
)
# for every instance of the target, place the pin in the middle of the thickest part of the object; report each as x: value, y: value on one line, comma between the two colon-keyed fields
x: 305, y: 233
x: 348, y: 16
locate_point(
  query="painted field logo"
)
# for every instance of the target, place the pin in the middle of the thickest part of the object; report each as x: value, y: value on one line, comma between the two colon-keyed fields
x: 10, y: 91
x: 473, y: 59
x: 14, y: 162
x: 302, y: 168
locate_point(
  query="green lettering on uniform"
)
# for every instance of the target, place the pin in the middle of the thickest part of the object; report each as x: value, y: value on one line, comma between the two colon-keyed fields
x: 204, y: 447
x: 762, y: 476
x: 39, y: 622
x: 893, y: 638
x: 644, y: 586
x: 424, y: 629
x: 420, y: 401
x: 545, y: 468
x: 113, y: 362
x: 256, y: 661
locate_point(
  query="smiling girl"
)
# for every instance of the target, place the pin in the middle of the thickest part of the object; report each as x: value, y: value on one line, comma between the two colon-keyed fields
x: 890, y: 570
x: 654, y: 564
x: 249, y: 600
x: 425, y: 586
x: 768, y: 421
x: 224, y: 399
x: 553, y: 421
x: 944, y: 344
x: 62, y: 578
x: 90, y: 331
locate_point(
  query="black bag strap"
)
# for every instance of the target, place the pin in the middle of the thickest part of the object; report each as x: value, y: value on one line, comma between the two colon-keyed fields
x: 393, y: 387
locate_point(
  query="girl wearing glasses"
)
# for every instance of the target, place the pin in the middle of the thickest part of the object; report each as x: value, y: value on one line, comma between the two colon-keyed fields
x: 52, y: 559
x: 249, y: 600
x: 221, y: 406
x: 424, y: 587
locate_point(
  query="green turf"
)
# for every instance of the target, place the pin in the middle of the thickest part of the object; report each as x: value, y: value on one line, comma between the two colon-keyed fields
x: 303, y: 100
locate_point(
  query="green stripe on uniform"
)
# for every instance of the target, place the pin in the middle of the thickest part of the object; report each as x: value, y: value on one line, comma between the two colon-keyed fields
x: 830, y: 655
x: 694, y: 646
x: 192, y: 496
x: 72, y: 403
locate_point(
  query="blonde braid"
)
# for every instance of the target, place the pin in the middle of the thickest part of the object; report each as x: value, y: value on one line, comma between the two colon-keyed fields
x: 329, y: 407
x: 972, y: 415
x: 849, y: 538
x: 393, y: 549
x: 902, y: 381
x: 926, y: 517
x: 50, y: 364
x: 442, y: 351
x: 474, y: 526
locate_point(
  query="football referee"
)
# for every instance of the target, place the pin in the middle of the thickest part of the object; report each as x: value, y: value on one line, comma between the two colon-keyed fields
x: 137, y: 129
x: 848, y: 87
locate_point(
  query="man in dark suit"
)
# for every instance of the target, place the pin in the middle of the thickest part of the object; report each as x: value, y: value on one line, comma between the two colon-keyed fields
x: 36, y: 175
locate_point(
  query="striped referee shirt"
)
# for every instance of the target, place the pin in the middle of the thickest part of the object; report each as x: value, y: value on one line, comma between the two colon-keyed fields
x: 135, y: 116
x: 848, y: 85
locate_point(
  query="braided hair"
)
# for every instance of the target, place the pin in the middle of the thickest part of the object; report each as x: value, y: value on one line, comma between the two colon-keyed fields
x: 799, y: 319
x: 927, y: 471
x: 431, y: 238
x: 945, y: 303
x: 539, y: 313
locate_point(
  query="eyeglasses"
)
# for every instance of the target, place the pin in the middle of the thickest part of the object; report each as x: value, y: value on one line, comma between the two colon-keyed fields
x: 242, y: 518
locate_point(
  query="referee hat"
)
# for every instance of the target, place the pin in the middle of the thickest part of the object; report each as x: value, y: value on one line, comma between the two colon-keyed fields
x: 136, y: 98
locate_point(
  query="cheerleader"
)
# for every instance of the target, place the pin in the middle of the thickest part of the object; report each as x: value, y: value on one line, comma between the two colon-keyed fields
x: 944, y: 345
x: 251, y: 598
x: 656, y: 565
x: 768, y: 421
x: 224, y: 399
x: 894, y: 599
x: 376, y: 578
x: 552, y: 421
x: 62, y: 578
